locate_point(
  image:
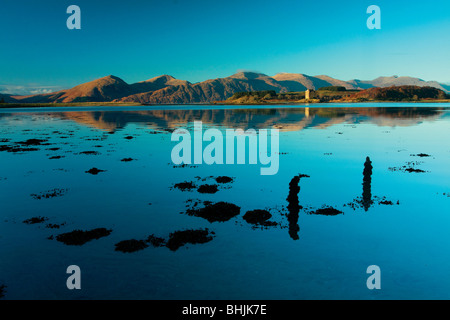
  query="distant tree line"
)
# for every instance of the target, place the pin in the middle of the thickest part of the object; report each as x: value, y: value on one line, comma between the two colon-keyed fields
x: 403, y: 93
x: 332, y: 88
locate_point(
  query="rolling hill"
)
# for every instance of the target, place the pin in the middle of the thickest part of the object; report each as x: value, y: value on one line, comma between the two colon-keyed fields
x: 166, y: 89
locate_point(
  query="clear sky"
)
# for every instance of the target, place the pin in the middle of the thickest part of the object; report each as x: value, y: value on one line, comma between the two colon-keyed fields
x: 196, y: 40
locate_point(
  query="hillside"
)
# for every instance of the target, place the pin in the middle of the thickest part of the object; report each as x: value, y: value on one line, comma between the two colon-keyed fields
x: 400, y: 93
x: 166, y: 89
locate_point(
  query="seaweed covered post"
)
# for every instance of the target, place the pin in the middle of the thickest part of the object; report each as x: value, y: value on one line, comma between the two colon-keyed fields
x: 293, y: 206
x: 367, y: 181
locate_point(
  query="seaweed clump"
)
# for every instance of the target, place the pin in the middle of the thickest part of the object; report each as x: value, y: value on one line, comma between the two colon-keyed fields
x: 327, y: 211
x: 224, y: 179
x: 131, y: 245
x: 94, y: 171
x: 35, y: 220
x: 80, y: 237
x: 186, y: 185
x: 220, y: 211
x: 156, y: 241
x: 258, y: 217
x: 208, y: 188
x: 57, y: 192
x: 178, y: 239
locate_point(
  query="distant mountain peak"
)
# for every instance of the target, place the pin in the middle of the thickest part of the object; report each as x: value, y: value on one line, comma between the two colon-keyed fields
x: 248, y: 75
x: 164, y: 77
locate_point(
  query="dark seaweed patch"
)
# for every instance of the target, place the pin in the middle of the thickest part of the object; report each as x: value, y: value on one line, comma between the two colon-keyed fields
x: 130, y: 245
x: 208, y: 188
x: 35, y: 220
x: 327, y: 211
x: 183, y: 165
x: 32, y: 142
x: 178, y: 239
x: 257, y: 216
x: 94, y: 171
x: 16, y: 149
x: 220, y: 211
x: 80, y: 237
x: 127, y: 159
x: 186, y: 185
x: 409, y: 167
x: 93, y: 153
x: 49, y: 194
x: 54, y: 225
x: 414, y: 170
x: 224, y: 179
x: 421, y: 155
x: 156, y: 241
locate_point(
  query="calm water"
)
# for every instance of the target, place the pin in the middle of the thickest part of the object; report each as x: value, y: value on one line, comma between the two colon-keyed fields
x: 398, y: 220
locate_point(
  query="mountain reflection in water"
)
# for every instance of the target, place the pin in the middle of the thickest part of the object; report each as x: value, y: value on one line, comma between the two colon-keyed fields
x: 285, y: 118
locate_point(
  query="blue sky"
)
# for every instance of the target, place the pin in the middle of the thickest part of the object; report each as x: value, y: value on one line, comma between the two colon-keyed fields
x: 197, y: 40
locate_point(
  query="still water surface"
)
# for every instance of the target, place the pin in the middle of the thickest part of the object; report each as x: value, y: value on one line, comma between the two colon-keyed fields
x: 393, y: 218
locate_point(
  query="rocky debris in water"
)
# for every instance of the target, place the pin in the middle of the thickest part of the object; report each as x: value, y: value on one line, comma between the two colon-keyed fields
x: 35, y: 220
x: 208, y: 188
x: 358, y: 202
x: 409, y: 167
x: 327, y: 211
x: 178, y: 239
x: 421, y: 155
x: 2, y: 290
x: 186, y: 185
x: 80, y: 237
x: 57, y: 192
x: 224, y: 179
x: 414, y: 170
x: 220, y: 211
x: 156, y: 241
x: 94, y: 171
x: 129, y: 137
x: 54, y: 225
x: 183, y: 165
x: 130, y: 245
x: 56, y: 157
x: 127, y: 159
x: 53, y: 149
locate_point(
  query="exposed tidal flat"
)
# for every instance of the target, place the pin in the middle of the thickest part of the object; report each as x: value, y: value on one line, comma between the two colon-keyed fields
x: 358, y: 185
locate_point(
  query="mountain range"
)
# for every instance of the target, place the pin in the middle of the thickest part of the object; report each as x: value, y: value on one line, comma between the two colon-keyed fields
x: 166, y: 89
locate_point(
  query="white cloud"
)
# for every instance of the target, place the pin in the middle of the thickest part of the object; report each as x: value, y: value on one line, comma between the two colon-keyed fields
x: 27, y: 90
